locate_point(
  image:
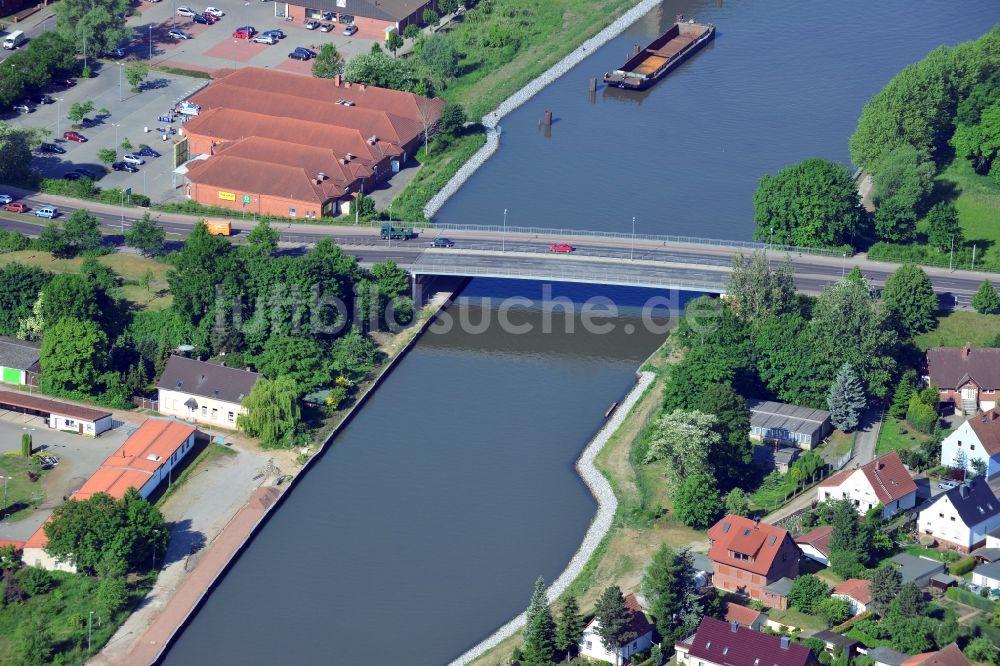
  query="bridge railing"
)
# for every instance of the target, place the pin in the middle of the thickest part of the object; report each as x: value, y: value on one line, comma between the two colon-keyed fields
x: 557, y: 234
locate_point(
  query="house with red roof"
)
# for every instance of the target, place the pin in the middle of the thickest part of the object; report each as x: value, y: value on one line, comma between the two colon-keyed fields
x: 748, y: 556
x: 745, y: 616
x: 816, y: 544
x: 884, y: 481
x: 592, y: 647
x: 966, y: 377
x: 857, y: 592
x: 718, y: 643
x: 949, y: 655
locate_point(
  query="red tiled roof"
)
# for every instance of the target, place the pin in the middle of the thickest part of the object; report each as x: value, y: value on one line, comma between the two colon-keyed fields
x: 313, y: 159
x: 818, y: 538
x: 17, y: 543
x: 950, y: 367
x: 949, y: 655
x: 246, y: 175
x: 886, y: 475
x: 114, y: 482
x: 987, y: 429
x: 639, y: 623
x: 148, y: 448
x: 855, y: 588
x: 741, y: 614
x: 39, y: 538
x: 720, y: 642
x: 735, y: 534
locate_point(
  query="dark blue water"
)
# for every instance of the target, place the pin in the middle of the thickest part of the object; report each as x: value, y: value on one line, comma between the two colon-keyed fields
x: 782, y: 81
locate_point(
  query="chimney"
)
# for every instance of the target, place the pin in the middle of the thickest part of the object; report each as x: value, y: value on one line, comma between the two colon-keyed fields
x: 347, y: 84
x: 756, y: 523
x: 336, y: 80
x: 786, y: 641
x: 363, y: 86
x: 993, y: 415
x: 963, y: 490
x: 343, y: 160
x: 733, y: 626
x: 967, y: 350
x: 321, y: 176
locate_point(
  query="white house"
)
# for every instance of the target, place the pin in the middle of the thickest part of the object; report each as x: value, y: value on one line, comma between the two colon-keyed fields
x: 592, y: 647
x: 19, y: 361
x: 961, y: 518
x: 883, y: 481
x: 988, y: 575
x: 816, y: 544
x: 976, y: 439
x: 203, y: 392
x: 856, y: 592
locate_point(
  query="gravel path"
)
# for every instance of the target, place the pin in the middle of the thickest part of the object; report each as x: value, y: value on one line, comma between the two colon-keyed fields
x: 607, y: 504
x: 491, y: 120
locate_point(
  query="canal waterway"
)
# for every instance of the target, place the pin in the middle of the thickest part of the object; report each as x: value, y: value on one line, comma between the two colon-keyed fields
x: 782, y: 81
x: 423, y: 528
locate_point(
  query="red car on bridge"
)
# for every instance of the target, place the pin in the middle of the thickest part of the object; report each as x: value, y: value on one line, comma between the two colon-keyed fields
x: 561, y: 248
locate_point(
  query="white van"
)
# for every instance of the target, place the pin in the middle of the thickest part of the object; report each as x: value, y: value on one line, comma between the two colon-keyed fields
x: 14, y: 39
x: 49, y: 212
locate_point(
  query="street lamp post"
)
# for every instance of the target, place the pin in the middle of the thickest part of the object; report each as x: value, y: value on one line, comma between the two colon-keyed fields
x: 5, y: 493
x: 631, y: 252
x: 503, y: 237
x: 150, y: 43
x: 843, y: 265
x: 90, y: 626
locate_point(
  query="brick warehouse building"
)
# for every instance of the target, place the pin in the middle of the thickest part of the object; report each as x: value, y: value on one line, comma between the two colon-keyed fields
x: 298, y: 146
x: 373, y: 17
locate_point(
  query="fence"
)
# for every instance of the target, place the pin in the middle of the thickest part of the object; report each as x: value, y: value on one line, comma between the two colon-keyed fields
x: 146, y: 403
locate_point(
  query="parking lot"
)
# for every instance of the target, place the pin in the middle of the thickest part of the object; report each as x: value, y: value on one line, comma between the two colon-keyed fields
x: 78, y: 458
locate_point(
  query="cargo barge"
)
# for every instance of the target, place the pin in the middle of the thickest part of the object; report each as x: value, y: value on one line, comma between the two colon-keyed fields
x: 665, y: 53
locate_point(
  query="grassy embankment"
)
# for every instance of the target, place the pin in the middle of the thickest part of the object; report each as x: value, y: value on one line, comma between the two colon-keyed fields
x: 489, y: 76
x: 22, y: 494
x: 132, y: 269
x: 641, y: 523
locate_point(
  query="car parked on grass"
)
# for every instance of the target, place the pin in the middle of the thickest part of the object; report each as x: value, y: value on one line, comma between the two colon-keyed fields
x: 441, y: 241
x: 132, y: 158
x: 350, y: 29
x: 146, y: 151
x: 215, y: 11
x: 185, y: 11
x: 17, y: 207
x: 312, y: 25
x: 5, y: 198
x: 51, y: 148
x: 277, y: 34
x: 179, y: 34
x: 561, y: 248
x: 326, y: 27
x: 124, y: 166
x: 265, y: 39
x: 74, y: 136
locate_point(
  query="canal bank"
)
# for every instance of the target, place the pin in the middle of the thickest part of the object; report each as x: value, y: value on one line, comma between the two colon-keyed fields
x: 149, y: 646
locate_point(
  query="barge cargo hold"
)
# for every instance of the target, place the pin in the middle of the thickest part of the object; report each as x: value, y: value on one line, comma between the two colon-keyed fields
x: 664, y: 54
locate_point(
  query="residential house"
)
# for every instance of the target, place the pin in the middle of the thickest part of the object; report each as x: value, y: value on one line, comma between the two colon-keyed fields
x: 19, y: 361
x: 816, y: 544
x: 987, y: 575
x: 966, y: 377
x: 949, y: 655
x: 748, y: 555
x: 718, y: 643
x: 745, y: 616
x: 882, y: 481
x: 782, y: 424
x: 592, y: 647
x: 204, y: 392
x: 857, y: 592
x: 775, y: 595
x: 834, y: 642
x: 993, y: 538
x: 917, y: 570
x: 976, y: 439
x: 58, y: 415
x: 960, y: 518
x: 884, y: 656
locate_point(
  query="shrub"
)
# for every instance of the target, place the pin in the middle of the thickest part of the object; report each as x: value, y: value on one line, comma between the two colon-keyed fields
x: 962, y: 567
x: 970, y: 599
x: 12, y: 241
x: 35, y: 581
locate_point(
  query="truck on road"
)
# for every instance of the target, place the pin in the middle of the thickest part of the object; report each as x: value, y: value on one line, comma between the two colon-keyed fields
x: 396, y: 233
x: 14, y: 39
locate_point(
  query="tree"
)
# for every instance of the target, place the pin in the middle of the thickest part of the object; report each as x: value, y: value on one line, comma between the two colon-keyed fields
x: 15, y: 146
x: 74, y: 354
x: 909, y: 602
x: 806, y: 593
x: 901, y: 396
x: 448, y: 6
x: 755, y: 289
x: 683, y: 440
x: 846, y: 399
x: 903, y: 181
x: 33, y: 643
x: 453, y: 119
x: 943, y: 230
x: 69, y: 296
x: 539, y: 628
x: 411, y: 31
x: 656, y: 655
x: 112, y: 594
x: 380, y: 69
x: 263, y: 238
x: 394, y: 42
x: 135, y: 73
x: 107, y: 155
x: 982, y: 650
x: 430, y: 17
x: 200, y: 265
x: 812, y: 204
x: 440, y: 57
x: 910, y: 298
x: 81, y: 233
x: 613, y: 618
x: 390, y: 279
x: 669, y: 586
x: 737, y: 503
x: 885, y: 585
x: 95, y: 27
x: 272, y: 412
x: 733, y: 452
x: 26, y: 445
x: 979, y: 142
x: 147, y: 235
x: 986, y: 300
x: 85, y: 531
x: 300, y: 359
x: 696, y: 502
x: 328, y: 63
x: 569, y: 628
x: 78, y: 111
x: 126, y: 145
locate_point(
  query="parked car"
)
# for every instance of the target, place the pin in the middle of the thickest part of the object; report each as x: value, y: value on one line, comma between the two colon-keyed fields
x: 947, y: 485
x: 265, y: 39
x: 249, y: 28
x: 5, y: 198
x: 350, y: 29
x: 215, y: 11
x: 277, y: 34
x: 51, y: 148
x: 132, y: 158
x: 146, y: 151
x: 243, y: 33
x: 72, y: 175
x: 561, y: 248
x: 116, y: 54
x: 23, y: 108
x: 298, y: 55
x: 64, y: 83
x: 124, y: 166
x: 42, y: 99
x: 179, y: 34
x: 49, y: 212
x: 441, y: 241
x: 185, y: 11
x: 74, y: 136
x: 327, y: 16
x: 198, y: 18
x: 88, y: 173
x: 308, y: 52
x: 312, y: 25
x: 16, y: 207
x: 326, y: 27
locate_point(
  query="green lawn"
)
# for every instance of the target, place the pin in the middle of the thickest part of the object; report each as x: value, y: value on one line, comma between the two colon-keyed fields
x: 798, y: 619
x: 895, y: 435
x: 22, y: 493
x: 957, y: 328
x: 978, y: 204
x: 932, y: 553
x: 837, y: 444
x: 435, y: 170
